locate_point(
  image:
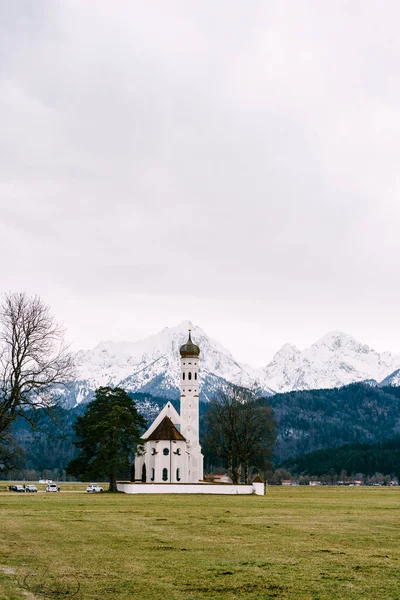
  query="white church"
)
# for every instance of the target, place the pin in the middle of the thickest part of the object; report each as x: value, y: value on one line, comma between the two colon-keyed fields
x: 171, y: 451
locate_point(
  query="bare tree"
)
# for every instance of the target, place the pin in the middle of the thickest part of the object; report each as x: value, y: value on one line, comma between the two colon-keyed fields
x: 221, y: 419
x: 255, y: 435
x: 241, y: 429
x: 34, y: 359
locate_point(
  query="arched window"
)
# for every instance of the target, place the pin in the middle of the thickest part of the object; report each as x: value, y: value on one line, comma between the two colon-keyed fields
x: 178, y: 476
x: 183, y: 375
x: 195, y: 375
x: 178, y: 450
x: 152, y: 474
x: 165, y: 474
x: 189, y: 376
x: 165, y: 451
x: 144, y: 474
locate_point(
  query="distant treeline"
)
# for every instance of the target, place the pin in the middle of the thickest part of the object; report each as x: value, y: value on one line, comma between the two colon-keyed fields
x: 368, y: 459
x: 358, y: 416
x: 354, y: 414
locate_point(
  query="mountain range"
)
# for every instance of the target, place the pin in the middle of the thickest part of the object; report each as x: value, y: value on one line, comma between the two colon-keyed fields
x: 335, y: 360
x: 151, y: 366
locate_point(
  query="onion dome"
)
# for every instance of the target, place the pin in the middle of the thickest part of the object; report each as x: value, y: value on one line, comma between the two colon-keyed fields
x: 189, y: 350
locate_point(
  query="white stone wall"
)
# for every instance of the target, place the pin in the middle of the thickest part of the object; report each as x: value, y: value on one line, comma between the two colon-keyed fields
x: 190, y: 488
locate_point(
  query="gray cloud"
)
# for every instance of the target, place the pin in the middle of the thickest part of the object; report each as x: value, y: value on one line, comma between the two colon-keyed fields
x: 232, y: 164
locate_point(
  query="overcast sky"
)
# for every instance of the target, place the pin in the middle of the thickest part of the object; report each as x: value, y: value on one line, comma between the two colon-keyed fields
x: 233, y: 163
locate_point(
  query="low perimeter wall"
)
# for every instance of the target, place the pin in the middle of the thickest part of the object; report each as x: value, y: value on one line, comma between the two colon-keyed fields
x: 189, y: 488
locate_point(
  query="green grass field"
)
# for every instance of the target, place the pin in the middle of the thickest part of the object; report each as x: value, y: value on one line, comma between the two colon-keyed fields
x: 300, y: 543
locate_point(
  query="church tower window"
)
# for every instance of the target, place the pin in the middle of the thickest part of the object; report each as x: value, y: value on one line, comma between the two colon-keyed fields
x: 195, y: 375
x: 189, y: 376
x: 165, y: 474
x: 183, y: 375
x: 178, y: 476
x: 165, y: 451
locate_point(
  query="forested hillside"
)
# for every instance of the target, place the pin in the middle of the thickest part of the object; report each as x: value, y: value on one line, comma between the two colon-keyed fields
x: 357, y: 413
x: 306, y: 421
x: 49, y: 448
x: 383, y: 457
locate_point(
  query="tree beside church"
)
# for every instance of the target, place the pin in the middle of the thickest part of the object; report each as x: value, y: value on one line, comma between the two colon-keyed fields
x: 108, y: 434
x: 240, y: 430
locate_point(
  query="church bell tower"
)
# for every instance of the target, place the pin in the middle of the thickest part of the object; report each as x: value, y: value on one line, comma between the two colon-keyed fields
x: 189, y: 385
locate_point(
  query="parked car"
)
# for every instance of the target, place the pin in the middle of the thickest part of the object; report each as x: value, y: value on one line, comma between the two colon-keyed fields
x: 52, y: 487
x: 20, y: 488
x: 12, y: 488
x: 30, y: 488
x: 94, y: 487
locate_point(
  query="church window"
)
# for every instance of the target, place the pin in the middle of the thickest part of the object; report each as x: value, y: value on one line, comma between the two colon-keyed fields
x: 178, y: 476
x: 165, y: 474
x: 154, y: 451
x: 183, y: 375
x: 195, y: 375
x: 165, y: 451
x: 152, y: 474
x: 178, y: 450
x: 189, y: 376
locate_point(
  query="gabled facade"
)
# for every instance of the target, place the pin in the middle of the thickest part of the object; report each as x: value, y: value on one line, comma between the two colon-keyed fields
x: 171, y: 451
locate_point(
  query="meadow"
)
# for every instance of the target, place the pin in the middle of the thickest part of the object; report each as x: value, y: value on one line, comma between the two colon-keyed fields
x: 298, y: 543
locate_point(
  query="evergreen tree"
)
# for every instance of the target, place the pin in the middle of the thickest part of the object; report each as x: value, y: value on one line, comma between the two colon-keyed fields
x: 108, y: 433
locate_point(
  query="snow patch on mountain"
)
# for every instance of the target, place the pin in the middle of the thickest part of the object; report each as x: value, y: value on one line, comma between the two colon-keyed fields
x: 152, y: 365
x: 391, y: 380
x: 335, y: 360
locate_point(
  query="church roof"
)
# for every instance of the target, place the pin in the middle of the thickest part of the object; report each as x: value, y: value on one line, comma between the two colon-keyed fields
x: 257, y: 479
x: 166, y: 430
x: 167, y: 411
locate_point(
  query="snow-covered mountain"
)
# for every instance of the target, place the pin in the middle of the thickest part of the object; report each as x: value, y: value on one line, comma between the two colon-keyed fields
x: 335, y: 360
x: 152, y: 365
x: 391, y: 380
